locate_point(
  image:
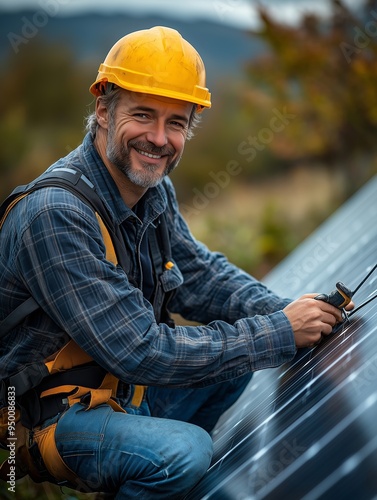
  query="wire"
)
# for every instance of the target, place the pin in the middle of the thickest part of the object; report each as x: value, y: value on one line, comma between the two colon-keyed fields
x: 364, y: 280
x: 362, y: 305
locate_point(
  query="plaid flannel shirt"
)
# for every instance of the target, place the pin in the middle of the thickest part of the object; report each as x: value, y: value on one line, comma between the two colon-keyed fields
x: 51, y: 247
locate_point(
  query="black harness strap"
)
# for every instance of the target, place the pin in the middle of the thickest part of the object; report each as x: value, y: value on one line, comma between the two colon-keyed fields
x: 158, y: 295
x: 78, y: 184
x: 160, y: 249
x: 16, y: 316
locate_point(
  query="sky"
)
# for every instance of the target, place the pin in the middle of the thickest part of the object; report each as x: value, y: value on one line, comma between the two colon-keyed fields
x: 238, y: 13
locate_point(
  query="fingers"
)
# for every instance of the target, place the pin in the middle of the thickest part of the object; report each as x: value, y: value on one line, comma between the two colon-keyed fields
x: 311, y: 319
x: 350, y: 306
x: 333, y: 311
x: 328, y: 325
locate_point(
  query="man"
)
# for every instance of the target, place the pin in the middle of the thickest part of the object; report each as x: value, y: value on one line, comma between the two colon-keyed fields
x: 149, y: 94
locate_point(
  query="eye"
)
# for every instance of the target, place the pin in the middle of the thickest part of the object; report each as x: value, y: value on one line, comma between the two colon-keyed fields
x: 141, y: 115
x: 179, y: 125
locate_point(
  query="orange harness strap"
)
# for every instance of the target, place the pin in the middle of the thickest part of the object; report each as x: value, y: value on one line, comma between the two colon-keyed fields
x: 69, y: 356
x: 72, y: 355
x: 45, y: 439
x: 110, y: 250
x: 138, y: 396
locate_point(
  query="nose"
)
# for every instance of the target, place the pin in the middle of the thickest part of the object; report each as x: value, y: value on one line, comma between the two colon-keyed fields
x: 157, y: 134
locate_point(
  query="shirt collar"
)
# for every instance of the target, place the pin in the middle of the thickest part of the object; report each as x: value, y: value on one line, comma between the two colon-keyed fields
x: 154, y: 200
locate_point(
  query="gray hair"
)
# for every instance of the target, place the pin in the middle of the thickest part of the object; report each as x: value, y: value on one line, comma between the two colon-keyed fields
x: 110, y: 99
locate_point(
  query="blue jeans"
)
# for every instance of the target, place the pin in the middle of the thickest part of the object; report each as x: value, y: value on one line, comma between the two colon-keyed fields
x: 135, y: 455
x: 201, y: 407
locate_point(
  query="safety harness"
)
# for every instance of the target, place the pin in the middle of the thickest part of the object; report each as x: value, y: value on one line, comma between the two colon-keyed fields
x: 43, y: 392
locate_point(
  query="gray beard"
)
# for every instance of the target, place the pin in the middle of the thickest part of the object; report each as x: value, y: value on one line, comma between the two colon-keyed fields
x: 119, y: 155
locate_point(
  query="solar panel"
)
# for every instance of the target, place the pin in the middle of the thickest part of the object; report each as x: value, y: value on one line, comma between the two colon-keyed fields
x: 308, y: 430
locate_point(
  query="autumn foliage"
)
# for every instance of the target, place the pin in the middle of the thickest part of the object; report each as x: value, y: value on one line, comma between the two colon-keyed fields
x: 325, y: 73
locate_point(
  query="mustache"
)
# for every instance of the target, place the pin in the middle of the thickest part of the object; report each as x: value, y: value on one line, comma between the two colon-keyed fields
x: 149, y: 147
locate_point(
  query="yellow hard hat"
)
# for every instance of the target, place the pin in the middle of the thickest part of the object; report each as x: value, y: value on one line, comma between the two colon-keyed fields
x: 156, y: 61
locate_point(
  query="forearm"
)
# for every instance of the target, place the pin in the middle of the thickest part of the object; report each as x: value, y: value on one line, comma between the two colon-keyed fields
x: 92, y: 300
x: 204, y: 355
x: 218, y: 290
x: 115, y: 325
x: 213, y: 288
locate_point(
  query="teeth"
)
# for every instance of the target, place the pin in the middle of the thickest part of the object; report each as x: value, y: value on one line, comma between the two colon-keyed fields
x: 148, y: 154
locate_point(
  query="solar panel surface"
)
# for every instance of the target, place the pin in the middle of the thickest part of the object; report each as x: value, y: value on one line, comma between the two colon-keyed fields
x: 308, y: 430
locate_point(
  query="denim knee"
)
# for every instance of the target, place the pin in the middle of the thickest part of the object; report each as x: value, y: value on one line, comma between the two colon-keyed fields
x: 195, y: 450
x: 191, y: 454
x: 133, y: 455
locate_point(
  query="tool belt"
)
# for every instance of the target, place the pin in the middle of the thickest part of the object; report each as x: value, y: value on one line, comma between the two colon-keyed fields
x: 21, y: 461
x: 47, y: 390
x: 34, y: 451
x: 30, y: 451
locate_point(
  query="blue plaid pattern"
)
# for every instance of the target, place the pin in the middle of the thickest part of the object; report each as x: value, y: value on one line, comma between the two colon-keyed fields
x: 51, y: 247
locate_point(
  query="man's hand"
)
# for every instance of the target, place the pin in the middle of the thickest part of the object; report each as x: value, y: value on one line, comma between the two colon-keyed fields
x: 310, y: 319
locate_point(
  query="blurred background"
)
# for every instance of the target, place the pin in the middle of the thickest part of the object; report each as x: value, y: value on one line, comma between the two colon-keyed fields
x: 290, y: 136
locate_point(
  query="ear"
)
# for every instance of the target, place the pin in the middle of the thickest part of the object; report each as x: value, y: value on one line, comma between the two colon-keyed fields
x: 102, y: 114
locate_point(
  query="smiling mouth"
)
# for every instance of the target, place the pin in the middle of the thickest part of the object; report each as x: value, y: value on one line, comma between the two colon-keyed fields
x: 149, y: 155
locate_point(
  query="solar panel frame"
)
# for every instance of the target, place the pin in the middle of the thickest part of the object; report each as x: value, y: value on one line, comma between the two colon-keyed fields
x: 308, y: 430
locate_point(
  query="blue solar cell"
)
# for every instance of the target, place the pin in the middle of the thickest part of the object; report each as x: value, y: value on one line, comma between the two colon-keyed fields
x: 308, y: 430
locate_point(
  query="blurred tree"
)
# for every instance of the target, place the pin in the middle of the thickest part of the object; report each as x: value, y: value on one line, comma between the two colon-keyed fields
x: 44, y: 91
x: 308, y: 99
x: 323, y: 74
